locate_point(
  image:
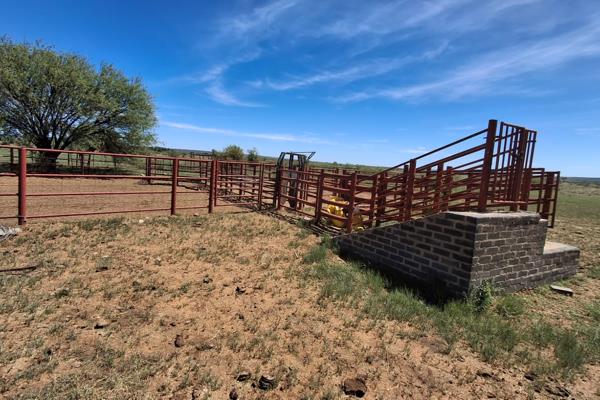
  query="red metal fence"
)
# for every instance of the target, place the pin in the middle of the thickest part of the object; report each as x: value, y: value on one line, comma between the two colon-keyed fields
x: 490, y: 169
x: 124, y: 183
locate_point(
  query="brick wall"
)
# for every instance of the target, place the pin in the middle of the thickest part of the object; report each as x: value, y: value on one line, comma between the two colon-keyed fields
x: 461, y: 250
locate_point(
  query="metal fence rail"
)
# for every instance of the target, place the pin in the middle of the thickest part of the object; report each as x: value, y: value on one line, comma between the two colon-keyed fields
x: 491, y: 169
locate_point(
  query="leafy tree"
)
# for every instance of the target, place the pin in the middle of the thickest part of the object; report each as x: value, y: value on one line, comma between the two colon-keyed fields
x: 252, y: 154
x: 233, y: 152
x: 60, y: 101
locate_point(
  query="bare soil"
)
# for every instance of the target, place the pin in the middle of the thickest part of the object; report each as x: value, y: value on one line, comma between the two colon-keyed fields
x: 178, y: 307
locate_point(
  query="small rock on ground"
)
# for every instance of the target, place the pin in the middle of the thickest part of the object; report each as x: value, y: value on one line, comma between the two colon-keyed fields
x: 354, y: 387
x: 266, y: 382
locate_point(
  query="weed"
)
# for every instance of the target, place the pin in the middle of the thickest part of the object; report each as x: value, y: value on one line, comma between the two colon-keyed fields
x: 594, y: 272
x: 315, y: 254
x: 480, y: 297
x: 541, y: 333
x: 569, y: 353
x: 510, y: 306
x: 593, y: 310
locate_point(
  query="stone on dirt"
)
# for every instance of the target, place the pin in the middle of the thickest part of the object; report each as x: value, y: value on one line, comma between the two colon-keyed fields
x: 266, y: 382
x: 178, y: 341
x: 233, y: 395
x: 240, y: 290
x: 562, y: 290
x: 354, y: 387
x: 243, y: 376
x: 101, y: 323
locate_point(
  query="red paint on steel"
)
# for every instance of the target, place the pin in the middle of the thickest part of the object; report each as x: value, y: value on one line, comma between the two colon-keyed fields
x: 174, y: 178
x: 487, y: 165
x: 22, y: 211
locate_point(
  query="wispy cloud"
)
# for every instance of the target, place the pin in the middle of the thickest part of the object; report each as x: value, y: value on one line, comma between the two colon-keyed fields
x: 218, y: 93
x: 368, y: 69
x: 483, y: 74
x: 212, y: 81
x: 260, y: 18
x: 277, y: 137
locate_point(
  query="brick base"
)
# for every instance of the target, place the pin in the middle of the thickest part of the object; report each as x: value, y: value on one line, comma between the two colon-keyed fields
x: 461, y: 250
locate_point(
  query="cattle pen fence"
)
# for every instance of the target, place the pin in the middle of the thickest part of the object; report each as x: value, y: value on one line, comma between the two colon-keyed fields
x: 491, y: 169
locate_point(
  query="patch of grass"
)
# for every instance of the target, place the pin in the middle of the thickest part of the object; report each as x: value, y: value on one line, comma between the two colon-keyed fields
x: 315, y: 254
x: 501, y: 332
x: 541, y: 334
x: 105, y: 224
x: 569, y: 352
x: 594, y: 272
x: 510, y: 306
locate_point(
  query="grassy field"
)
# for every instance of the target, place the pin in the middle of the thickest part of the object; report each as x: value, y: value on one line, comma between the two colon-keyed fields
x: 179, y: 307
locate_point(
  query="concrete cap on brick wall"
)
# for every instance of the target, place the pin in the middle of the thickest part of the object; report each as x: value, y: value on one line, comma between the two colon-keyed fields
x: 498, y: 217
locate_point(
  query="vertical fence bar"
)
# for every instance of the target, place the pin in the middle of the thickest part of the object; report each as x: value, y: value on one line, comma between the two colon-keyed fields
x: 351, y: 202
x: 410, y: 188
x: 174, y: 180
x: 526, y: 189
x: 487, y: 165
x: 548, y: 190
x: 216, y: 182
x: 319, y: 199
x: 22, y: 212
x: 518, y: 181
x: 278, y: 187
x: 261, y: 179
x: 211, y: 186
x: 555, y: 199
x: 373, y: 200
x: 381, y: 198
x: 438, y: 187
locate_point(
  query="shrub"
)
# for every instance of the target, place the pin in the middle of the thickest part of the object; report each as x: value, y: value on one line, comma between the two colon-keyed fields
x: 233, y: 152
x: 252, y: 155
x: 480, y: 297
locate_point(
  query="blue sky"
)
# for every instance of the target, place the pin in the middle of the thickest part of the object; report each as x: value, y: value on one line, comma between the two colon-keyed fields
x: 372, y: 82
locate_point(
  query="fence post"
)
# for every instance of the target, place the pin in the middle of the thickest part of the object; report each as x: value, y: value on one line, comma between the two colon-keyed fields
x: 526, y: 188
x: 519, y: 170
x: 22, y: 212
x: 410, y: 188
x: 211, y: 186
x: 438, y: 186
x: 381, y: 198
x: 351, y: 201
x: 448, y: 186
x: 278, y: 188
x: 319, y: 199
x: 216, y: 182
x: 486, y: 168
x: 373, y: 200
x: 261, y: 177
x: 548, y: 189
x: 174, y: 179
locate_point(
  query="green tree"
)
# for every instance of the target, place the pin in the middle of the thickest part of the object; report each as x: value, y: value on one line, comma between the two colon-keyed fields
x: 60, y: 101
x: 252, y: 155
x: 233, y: 152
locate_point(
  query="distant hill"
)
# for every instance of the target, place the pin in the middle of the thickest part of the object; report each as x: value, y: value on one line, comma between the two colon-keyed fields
x: 581, y: 180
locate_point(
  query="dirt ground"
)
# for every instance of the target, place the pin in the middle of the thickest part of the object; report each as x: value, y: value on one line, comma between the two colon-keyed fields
x: 178, y: 307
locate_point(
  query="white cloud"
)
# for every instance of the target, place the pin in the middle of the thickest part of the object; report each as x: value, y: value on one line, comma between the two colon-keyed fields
x: 353, y: 73
x: 485, y: 73
x: 278, y: 137
x: 218, y: 93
